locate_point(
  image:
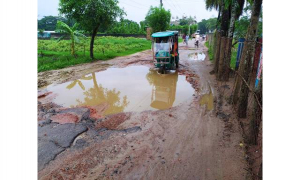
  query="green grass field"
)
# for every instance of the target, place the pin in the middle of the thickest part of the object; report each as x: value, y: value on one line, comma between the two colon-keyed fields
x: 57, y: 55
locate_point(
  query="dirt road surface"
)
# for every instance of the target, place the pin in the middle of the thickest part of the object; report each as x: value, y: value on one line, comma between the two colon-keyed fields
x: 199, y: 139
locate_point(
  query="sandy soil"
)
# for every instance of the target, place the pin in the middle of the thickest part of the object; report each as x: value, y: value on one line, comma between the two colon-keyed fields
x: 184, y: 142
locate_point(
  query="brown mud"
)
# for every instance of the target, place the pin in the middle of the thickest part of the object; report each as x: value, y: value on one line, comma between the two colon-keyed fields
x: 198, y: 139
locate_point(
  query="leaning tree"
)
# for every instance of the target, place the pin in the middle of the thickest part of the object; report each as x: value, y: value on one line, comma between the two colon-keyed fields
x: 91, y: 15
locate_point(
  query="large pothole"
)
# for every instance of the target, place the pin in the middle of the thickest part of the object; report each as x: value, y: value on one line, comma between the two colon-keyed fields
x: 115, y: 90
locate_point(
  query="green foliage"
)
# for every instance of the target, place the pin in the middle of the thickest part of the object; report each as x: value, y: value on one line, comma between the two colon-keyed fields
x: 126, y: 26
x: 55, y: 55
x: 193, y: 28
x: 211, y: 24
x: 158, y: 18
x: 207, y: 25
x: 202, y: 26
x: 183, y: 22
x: 210, y: 51
x: 242, y: 25
x: 71, y: 32
x: 186, y: 21
x: 48, y: 23
x: 212, y: 4
x: 41, y: 32
x: 233, y: 56
x: 176, y: 28
x: 91, y: 14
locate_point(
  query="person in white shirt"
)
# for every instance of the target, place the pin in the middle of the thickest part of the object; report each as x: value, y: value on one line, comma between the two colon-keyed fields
x: 187, y: 39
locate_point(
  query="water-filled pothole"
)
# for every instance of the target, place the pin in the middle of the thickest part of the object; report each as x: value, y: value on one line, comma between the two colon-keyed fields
x: 134, y: 88
x: 208, y: 100
x: 197, y: 56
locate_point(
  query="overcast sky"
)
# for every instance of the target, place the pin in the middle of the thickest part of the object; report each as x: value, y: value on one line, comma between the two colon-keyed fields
x: 137, y: 9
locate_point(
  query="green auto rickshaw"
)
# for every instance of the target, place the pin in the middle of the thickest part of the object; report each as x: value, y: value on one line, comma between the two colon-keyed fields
x: 165, y: 50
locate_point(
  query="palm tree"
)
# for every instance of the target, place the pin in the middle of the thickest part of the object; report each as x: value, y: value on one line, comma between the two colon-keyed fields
x: 214, y: 4
x: 224, y: 15
x: 71, y: 32
x: 236, y: 11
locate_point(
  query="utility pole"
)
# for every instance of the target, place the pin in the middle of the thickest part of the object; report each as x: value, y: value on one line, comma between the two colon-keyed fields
x: 161, y: 4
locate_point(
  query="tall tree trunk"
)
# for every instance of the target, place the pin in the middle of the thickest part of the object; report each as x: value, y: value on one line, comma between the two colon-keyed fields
x: 217, y: 51
x: 247, y: 59
x: 224, y: 30
x: 256, y: 117
x: 218, y: 19
x: 227, y: 59
x: 221, y: 59
x: 225, y: 19
x: 94, y: 33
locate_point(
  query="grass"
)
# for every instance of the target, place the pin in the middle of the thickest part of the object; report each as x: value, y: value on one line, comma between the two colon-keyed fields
x: 210, y: 51
x: 57, y: 55
x: 180, y: 40
x: 233, y: 54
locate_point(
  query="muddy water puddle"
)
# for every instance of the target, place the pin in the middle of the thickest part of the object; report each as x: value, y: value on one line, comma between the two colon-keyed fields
x: 208, y: 100
x: 134, y: 88
x: 196, y: 56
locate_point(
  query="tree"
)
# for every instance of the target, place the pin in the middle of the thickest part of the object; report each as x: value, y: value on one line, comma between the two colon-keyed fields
x: 41, y: 32
x: 143, y: 27
x: 49, y: 22
x: 241, y: 91
x: 202, y: 26
x: 241, y: 27
x: 71, y: 32
x: 185, y: 29
x: 236, y: 11
x: 125, y: 26
x: 91, y: 15
x: 183, y: 22
x: 158, y: 18
x: 193, y: 28
x: 211, y: 24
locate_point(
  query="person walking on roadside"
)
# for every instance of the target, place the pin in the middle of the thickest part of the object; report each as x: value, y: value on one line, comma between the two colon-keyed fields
x: 187, y: 39
x: 183, y: 37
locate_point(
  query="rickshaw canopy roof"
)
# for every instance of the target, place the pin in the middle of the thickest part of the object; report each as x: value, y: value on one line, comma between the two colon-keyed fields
x: 164, y: 34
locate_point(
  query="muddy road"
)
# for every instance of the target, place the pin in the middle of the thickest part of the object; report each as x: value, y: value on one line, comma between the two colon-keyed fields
x: 93, y: 127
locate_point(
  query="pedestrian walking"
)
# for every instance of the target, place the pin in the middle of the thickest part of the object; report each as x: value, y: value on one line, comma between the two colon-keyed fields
x: 187, y: 39
x: 183, y: 37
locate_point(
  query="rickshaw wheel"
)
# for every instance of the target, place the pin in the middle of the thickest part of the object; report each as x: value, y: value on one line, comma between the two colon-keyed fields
x: 177, y: 62
x: 162, y: 69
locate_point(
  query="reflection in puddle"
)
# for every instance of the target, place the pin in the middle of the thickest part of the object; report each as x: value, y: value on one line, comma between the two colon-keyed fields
x: 163, y: 89
x: 197, y: 56
x: 207, y: 99
x: 115, y: 90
